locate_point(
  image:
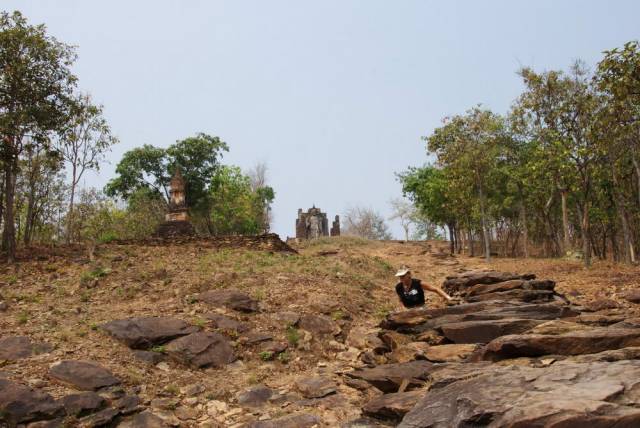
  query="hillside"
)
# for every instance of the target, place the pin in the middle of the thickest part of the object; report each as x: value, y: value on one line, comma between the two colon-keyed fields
x: 307, y: 320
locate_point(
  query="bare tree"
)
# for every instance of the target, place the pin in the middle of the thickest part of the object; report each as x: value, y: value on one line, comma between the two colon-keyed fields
x: 259, y: 179
x: 365, y: 223
x: 83, y: 144
x: 258, y: 175
x: 404, y: 211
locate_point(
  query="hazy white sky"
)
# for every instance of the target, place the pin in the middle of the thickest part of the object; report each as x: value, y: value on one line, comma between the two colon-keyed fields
x: 333, y: 95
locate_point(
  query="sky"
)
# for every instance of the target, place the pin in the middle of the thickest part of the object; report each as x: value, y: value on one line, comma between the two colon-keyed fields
x: 333, y: 95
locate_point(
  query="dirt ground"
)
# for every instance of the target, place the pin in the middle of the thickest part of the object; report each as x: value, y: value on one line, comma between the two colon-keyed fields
x: 61, y: 297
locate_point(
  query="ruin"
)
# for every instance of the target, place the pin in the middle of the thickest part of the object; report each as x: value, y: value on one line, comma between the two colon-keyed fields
x: 314, y: 224
x: 177, y: 219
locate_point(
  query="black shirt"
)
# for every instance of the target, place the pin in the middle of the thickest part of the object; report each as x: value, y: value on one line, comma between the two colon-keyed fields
x: 412, y: 297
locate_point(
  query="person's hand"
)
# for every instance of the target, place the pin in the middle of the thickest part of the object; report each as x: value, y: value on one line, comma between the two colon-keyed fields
x: 453, y: 301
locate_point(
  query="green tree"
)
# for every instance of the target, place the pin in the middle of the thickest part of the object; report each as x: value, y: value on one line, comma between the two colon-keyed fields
x: 36, y: 87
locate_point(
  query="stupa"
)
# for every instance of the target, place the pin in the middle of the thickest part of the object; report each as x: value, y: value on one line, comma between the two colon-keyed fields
x: 177, y: 219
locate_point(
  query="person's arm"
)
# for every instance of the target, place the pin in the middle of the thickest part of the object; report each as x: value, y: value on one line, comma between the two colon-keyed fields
x: 436, y: 290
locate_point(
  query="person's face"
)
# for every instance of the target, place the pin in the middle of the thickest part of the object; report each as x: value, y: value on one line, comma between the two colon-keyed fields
x: 406, y: 279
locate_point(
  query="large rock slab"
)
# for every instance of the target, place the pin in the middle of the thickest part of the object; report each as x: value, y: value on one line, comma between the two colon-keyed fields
x: 573, y: 343
x: 145, y: 332
x: 232, y: 299
x: 562, y: 395
x: 458, y: 283
x: 202, y: 349
x: 18, y: 347
x: 389, y: 377
x: 318, y: 325
x: 392, y: 406
x: 144, y: 419
x: 81, y: 404
x: 449, y: 353
x: 21, y: 404
x: 82, y: 375
x: 487, y: 330
x: 518, y: 295
x: 301, y: 420
x: 226, y: 324
x: 510, y: 285
x: 315, y: 387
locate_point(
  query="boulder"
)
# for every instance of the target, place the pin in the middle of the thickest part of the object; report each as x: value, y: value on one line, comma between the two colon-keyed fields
x: 21, y: 404
x: 226, y: 324
x: 99, y: 419
x: 573, y: 343
x: 632, y: 296
x: 315, y: 387
x: 389, y: 377
x: 146, y: 332
x: 458, y: 283
x: 255, y: 396
x: 601, y: 305
x: 318, y: 325
x: 82, y: 375
x: 486, y: 331
x: 202, y: 349
x: 562, y: 395
x: 149, y: 356
x: 232, y: 299
x: 510, y: 285
x: 18, y: 347
x: 287, y: 318
x: 392, y: 406
x: 518, y: 295
x: 448, y: 353
x: 81, y: 404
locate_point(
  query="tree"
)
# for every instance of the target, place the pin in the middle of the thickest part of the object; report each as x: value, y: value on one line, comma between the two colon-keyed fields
x: 365, y: 223
x: 405, y: 212
x: 258, y: 177
x: 233, y: 203
x: 36, y: 86
x: 83, y: 143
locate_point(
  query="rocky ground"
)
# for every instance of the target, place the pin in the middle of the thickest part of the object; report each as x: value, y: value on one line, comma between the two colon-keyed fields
x: 252, y: 333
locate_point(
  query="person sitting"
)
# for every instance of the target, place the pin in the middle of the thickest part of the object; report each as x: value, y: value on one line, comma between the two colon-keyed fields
x: 411, y: 290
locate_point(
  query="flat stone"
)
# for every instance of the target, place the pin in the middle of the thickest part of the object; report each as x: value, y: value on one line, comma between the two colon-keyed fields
x: 18, y: 347
x: 81, y: 404
x: 519, y: 295
x: 287, y: 318
x: 388, y: 377
x: 574, y: 343
x: 315, y: 387
x: 301, y: 420
x: 99, y: 419
x: 231, y: 299
x: 561, y: 395
x: 558, y: 327
x: 318, y: 325
x: 485, y: 331
x: 225, y: 323
x: 449, y: 353
x: 201, y: 350
x: 82, y: 375
x: 255, y: 396
x: 632, y: 296
x: 272, y: 346
x: 458, y: 283
x: 127, y: 404
x: 146, y: 332
x: 363, y: 423
x: 601, y: 305
x: 144, y: 419
x: 392, y: 406
x: 254, y: 337
x: 21, y: 404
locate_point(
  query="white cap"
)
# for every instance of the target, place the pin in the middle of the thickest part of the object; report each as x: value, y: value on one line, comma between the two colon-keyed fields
x: 403, y: 271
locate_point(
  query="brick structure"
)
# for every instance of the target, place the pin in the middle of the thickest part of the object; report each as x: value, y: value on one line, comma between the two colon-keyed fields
x: 314, y: 224
x: 177, y: 219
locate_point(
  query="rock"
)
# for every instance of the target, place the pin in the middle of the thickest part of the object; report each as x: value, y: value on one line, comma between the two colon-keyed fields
x: 81, y: 404
x: 186, y: 413
x: 394, y: 340
x: 201, y: 350
x: 350, y: 355
x: 561, y: 395
x: 519, y: 295
x: 599, y: 319
x: 149, y: 356
x: 574, y: 343
x: 315, y: 387
x: 231, y: 299
x: 82, y: 375
x: 632, y: 296
x: 392, y: 406
x: 54, y: 423
x: 254, y: 337
x: 144, y: 419
x: 287, y: 318
x: 145, y: 332
x: 3, y: 306
x: 485, y: 331
x: 273, y: 347
x: 318, y: 325
x: 99, y: 419
x: 18, y: 347
x: 510, y: 285
x: 193, y: 390
x: 432, y: 337
x: 389, y: 377
x: 601, y: 305
x: 449, y: 353
x: 127, y: 404
x: 21, y: 404
x: 409, y: 352
x: 362, y: 423
x: 255, y: 396
x: 455, y: 284
x: 301, y: 420
x: 226, y: 324
x: 557, y: 327
x: 216, y: 408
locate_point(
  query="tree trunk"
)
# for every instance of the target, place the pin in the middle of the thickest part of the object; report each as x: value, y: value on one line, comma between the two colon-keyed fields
x: 452, y: 242
x: 636, y: 167
x: 525, y: 233
x: 485, y: 230
x: 565, y: 221
x: 627, y: 236
x: 471, y: 252
x: 9, y: 233
x: 70, y: 219
x: 586, y: 235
